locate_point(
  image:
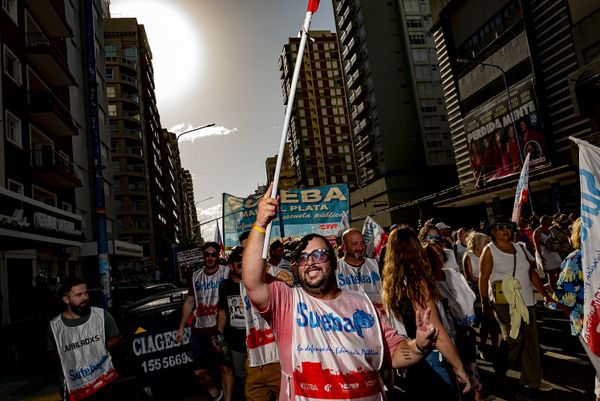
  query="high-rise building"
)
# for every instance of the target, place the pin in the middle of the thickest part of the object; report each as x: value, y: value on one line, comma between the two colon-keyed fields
x: 400, y: 136
x: 287, y: 175
x: 144, y: 204
x: 319, y: 131
x: 192, y: 228
x: 519, y: 78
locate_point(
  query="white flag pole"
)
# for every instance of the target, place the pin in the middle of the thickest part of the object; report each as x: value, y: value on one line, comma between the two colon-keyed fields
x: 286, y: 122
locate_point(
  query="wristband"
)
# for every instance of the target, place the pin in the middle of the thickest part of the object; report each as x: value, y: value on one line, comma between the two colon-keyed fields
x: 259, y: 229
x: 421, y: 350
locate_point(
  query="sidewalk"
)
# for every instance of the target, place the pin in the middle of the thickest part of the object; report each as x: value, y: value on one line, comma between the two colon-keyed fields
x: 35, y: 385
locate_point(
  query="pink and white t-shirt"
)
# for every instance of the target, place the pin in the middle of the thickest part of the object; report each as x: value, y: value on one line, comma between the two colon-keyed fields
x: 329, y: 350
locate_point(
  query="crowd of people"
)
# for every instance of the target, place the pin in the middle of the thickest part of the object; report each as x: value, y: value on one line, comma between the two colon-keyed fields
x: 322, y: 321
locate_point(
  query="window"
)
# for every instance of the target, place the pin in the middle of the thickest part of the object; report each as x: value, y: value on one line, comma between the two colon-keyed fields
x: 13, y: 130
x: 110, y: 73
x: 130, y: 53
x: 416, y: 39
x: 12, y: 65
x: 111, y: 91
x: 15, y: 186
x: 110, y: 50
x: 112, y: 110
x: 66, y: 207
x: 43, y: 196
x: 10, y: 6
x: 420, y: 55
x: 414, y: 22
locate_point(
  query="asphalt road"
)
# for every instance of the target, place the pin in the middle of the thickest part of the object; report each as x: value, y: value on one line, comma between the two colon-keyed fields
x: 564, y: 365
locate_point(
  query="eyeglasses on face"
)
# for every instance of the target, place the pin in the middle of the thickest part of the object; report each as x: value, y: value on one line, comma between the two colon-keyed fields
x: 211, y: 254
x: 318, y: 256
x: 433, y: 237
x: 504, y: 227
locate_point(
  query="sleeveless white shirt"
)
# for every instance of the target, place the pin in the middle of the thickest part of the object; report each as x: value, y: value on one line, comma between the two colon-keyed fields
x: 503, y: 267
x: 86, y: 364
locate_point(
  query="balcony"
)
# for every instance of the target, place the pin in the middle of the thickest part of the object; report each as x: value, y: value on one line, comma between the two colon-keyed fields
x: 360, y: 127
x: 359, y: 111
x: 356, y: 96
x: 48, y: 59
x: 355, y: 79
x: 122, y: 61
x: 54, y: 169
x: 345, y: 18
x: 350, y: 48
x: 132, y: 81
x: 352, y: 64
x: 48, y: 112
x: 50, y: 15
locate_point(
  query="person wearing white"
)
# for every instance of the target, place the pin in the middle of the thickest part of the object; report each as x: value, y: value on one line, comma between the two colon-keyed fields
x: 502, y: 259
x: 355, y: 271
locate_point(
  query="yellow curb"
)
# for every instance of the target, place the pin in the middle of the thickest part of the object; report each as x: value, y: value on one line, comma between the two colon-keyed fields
x: 45, y: 397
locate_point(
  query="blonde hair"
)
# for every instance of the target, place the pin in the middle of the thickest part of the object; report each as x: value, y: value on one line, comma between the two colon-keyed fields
x: 475, y: 239
x: 406, y: 273
x: 576, y: 234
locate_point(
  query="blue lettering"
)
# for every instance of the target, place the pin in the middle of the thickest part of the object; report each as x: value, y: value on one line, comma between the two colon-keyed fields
x: 202, y: 286
x: 301, y: 308
x: 329, y: 322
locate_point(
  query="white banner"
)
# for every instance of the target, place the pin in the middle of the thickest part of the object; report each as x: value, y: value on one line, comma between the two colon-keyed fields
x: 375, y: 237
x: 589, y: 171
x: 522, y: 193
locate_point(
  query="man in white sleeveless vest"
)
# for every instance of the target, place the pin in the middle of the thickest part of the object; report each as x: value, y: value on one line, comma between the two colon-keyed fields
x: 355, y: 271
x: 82, y: 336
x: 331, y: 343
x: 202, y: 299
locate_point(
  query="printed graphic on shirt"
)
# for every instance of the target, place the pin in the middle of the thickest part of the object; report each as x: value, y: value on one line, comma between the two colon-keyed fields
x: 337, y: 348
x: 236, y: 312
x: 206, y: 293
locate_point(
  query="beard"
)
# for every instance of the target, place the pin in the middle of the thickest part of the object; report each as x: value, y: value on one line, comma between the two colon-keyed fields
x: 321, y: 286
x: 83, y: 309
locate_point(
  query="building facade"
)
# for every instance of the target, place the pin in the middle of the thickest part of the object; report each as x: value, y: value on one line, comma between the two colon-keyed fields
x: 142, y: 153
x: 515, y: 75
x: 400, y: 135
x: 319, y: 131
x: 287, y: 175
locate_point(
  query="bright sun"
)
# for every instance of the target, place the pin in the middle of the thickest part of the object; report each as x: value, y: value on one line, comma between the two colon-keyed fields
x: 173, y: 39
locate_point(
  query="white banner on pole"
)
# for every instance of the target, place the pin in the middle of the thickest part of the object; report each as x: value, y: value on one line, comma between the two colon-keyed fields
x: 589, y: 171
x: 522, y: 193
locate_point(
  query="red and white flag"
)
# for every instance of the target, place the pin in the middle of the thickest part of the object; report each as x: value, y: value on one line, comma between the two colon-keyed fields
x: 375, y: 237
x: 218, y: 238
x: 313, y: 6
x: 522, y: 193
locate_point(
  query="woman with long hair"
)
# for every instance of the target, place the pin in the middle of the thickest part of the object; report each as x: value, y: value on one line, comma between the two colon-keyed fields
x: 408, y: 289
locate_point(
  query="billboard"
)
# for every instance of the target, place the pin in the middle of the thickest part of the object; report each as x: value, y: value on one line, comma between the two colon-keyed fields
x: 497, y: 147
x: 302, y: 211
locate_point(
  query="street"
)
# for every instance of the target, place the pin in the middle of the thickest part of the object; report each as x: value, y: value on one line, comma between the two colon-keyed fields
x: 564, y: 365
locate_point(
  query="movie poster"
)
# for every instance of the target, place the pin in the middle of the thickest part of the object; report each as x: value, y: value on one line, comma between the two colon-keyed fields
x: 497, y: 147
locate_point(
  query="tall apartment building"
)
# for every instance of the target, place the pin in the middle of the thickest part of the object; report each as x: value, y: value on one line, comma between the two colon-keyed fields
x: 536, y: 61
x: 191, y: 228
x: 319, y: 131
x: 42, y: 112
x: 142, y: 197
x: 287, y: 175
x: 400, y: 135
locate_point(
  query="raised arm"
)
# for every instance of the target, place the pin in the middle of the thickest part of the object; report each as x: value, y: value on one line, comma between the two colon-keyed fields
x: 410, y: 352
x: 253, y: 273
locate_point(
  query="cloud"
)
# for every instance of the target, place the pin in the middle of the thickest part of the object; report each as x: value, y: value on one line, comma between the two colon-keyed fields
x: 201, y: 132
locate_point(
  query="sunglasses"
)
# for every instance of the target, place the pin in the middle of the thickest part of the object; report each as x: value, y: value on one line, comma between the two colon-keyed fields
x: 434, y: 237
x: 318, y: 256
x: 504, y: 227
x: 211, y: 254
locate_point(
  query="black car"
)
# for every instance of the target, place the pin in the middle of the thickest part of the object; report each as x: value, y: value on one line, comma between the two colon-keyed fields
x: 148, y: 316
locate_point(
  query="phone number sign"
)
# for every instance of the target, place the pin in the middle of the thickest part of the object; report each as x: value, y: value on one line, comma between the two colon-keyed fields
x: 158, y: 353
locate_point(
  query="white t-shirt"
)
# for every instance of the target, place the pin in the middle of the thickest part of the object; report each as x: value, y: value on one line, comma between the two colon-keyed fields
x: 364, y: 278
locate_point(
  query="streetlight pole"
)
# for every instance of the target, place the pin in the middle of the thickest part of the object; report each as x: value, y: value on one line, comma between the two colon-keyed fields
x: 509, y: 99
x: 195, y: 129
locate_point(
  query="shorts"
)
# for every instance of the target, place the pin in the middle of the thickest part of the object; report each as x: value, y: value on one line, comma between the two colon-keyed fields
x: 204, y: 354
x: 239, y: 363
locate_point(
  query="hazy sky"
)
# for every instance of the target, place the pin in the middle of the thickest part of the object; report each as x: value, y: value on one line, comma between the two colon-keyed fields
x: 217, y: 61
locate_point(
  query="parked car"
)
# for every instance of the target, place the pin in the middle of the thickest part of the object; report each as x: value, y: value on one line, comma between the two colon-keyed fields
x: 148, y: 316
